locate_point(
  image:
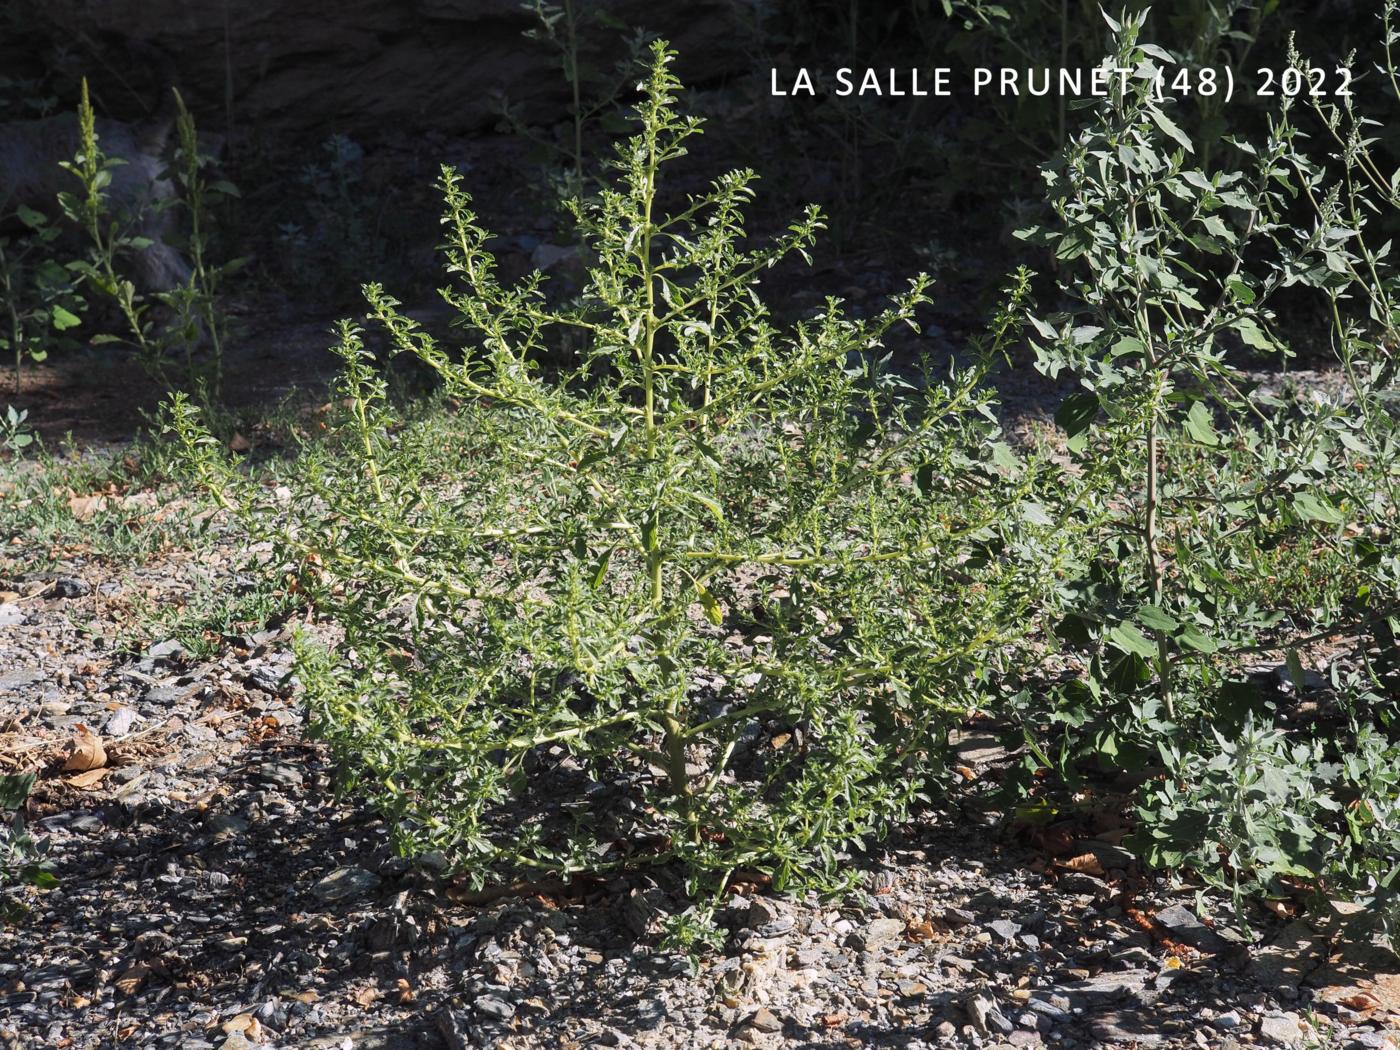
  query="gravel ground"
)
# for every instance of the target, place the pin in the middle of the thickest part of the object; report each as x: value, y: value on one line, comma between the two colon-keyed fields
x: 213, y: 893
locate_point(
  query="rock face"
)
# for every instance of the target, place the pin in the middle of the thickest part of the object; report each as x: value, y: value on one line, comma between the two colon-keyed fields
x: 353, y: 65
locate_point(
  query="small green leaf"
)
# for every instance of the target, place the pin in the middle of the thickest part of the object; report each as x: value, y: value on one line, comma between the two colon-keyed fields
x: 1241, y: 291
x: 1317, y: 508
x: 600, y: 568
x: 63, y: 320
x: 1156, y: 618
x: 31, y: 218
x: 713, y: 613
x: 1253, y: 335
x: 1200, y: 425
x: 1296, y: 672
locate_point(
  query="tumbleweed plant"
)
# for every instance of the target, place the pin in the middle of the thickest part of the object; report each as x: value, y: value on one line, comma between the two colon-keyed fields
x: 712, y: 591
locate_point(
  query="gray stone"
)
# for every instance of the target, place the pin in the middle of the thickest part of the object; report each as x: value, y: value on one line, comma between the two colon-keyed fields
x: 494, y: 1007
x: 11, y: 615
x: 878, y: 933
x: 1129, y: 1028
x: 1005, y: 929
x: 70, y: 587
x: 1285, y: 963
x: 1183, y: 925
x: 225, y: 825
x: 21, y: 678
x: 168, y: 650
x: 344, y: 883
x: 765, y: 1021
x: 1227, y: 1021
x: 1281, y: 1030
x: 956, y: 918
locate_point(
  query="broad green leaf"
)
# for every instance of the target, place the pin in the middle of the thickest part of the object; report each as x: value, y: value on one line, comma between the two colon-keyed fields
x: 1170, y: 129
x: 63, y: 320
x: 1156, y: 618
x: 1129, y: 638
x: 1317, y: 508
x: 1200, y: 425
x: 1241, y: 291
x: 1192, y: 638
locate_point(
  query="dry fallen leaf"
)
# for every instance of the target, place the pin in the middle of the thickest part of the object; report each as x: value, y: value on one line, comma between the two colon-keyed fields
x: 84, y: 507
x: 1360, y: 1002
x: 1085, y: 864
x: 130, y: 981
x: 86, y: 751
x: 366, y: 996
x: 918, y: 932
x: 238, y: 443
x: 87, y: 780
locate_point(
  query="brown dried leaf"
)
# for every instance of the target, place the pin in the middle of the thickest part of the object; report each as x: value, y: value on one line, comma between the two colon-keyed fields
x: 86, y: 751
x: 1361, y: 1002
x: 1085, y: 864
x: 84, y: 507
x: 130, y: 981
x: 366, y: 996
x: 919, y: 932
x: 238, y: 443
x: 89, y: 780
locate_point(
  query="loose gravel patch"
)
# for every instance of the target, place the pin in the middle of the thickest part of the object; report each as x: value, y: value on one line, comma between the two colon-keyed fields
x: 214, y: 893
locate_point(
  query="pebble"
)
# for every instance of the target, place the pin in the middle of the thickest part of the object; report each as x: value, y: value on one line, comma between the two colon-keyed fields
x: 494, y: 1007
x: 70, y: 587
x: 1281, y: 1029
x: 344, y: 883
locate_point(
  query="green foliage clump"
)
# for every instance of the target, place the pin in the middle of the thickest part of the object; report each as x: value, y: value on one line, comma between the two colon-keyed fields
x: 22, y: 857
x: 1224, y: 520
x: 49, y: 287
x: 712, y: 593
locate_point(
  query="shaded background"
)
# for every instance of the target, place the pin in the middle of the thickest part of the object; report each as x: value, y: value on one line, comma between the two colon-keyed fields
x: 333, y: 119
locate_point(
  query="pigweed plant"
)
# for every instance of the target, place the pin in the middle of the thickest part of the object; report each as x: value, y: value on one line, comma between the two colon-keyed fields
x: 40, y: 298
x: 1228, y: 521
x: 23, y: 858
x: 192, y: 316
x: 711, y: 594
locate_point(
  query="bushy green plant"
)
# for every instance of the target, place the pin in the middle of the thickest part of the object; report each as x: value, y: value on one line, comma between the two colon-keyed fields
x: 15, y: 435
x: 42, y: 299
x: 111, y: 240
x: 1227, y: 521
x: 712, y: 593
x: 22, y: 857
x: 596, y: 87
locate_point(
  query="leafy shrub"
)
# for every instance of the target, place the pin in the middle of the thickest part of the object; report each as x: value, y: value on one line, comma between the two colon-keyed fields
x: 49, y: 283
x: 21, y: 855
x: 42, y: 299
x: 712, y: 593
x: 1204, y: 493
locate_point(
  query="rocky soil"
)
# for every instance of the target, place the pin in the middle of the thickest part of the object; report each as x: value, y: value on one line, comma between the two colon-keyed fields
x: 214, y: 893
